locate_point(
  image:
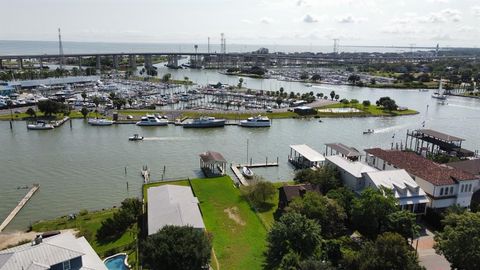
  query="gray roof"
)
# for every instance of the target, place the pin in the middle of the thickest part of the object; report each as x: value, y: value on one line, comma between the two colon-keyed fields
x: 50, y: 251
x: 355, y: 168
x: 439, y: 135
x: 308, y: 153
x: 211, y: 156
x: 343, y: 149
x: 172, y: 205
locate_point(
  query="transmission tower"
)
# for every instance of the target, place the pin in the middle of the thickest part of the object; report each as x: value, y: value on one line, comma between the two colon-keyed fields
x: 336, y: 43
x: 60, y: 49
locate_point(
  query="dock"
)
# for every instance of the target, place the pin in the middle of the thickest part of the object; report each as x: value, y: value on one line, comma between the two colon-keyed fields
x: 19, y: 207
x: 145, y: 174
x: 238, y: 174
x: 60, y: 122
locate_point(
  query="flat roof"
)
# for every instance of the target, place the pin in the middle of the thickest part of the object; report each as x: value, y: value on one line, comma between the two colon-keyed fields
x: 355, y: 168
x: 437, y: 174
x: 308, y: 153
x: 439, y: 135
x: 172, y: 205
x: 344, y: 150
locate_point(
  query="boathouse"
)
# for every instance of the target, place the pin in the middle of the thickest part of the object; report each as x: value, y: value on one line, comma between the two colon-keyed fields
x: 342, y: 150
x: 303, y: 157
x: 213, y: 164
x: 427, y: 141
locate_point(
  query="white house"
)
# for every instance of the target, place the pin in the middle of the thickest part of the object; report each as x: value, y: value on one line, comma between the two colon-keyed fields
x: 443, y: 184
x: 172, y: 205
x: 410, y: 195
x: 350, y: 171
x: 63, y: 251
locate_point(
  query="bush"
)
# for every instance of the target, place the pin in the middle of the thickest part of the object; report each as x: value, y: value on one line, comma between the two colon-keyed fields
x: 354, y: 101
x: 344, y: 101
x: 83, y: 212
x: 366, y: 103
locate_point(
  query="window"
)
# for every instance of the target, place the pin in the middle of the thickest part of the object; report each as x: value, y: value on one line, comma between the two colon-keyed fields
x: 451, y: 190
x: 66, y: 265
x: 462, y: 188
x: 441, y: 191
x: 469, y: 187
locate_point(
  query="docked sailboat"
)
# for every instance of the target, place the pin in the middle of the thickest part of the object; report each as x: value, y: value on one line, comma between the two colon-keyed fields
x: 439, y: 94
x: 256, y: 121
x: 205, y: 122
x: 40, y: 125
x: 100, y: 122
x: 152, y: 120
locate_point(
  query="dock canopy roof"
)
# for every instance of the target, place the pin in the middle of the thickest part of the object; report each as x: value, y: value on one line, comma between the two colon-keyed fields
x: 210, y: 156
x: 439, y: 135
x: 343, y: 149
x: 308, y: 153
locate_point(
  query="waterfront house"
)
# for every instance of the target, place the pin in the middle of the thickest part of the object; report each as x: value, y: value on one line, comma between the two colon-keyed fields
x: 342, y: 150
x: 172, y: 205
x: 351, y: 172
x: 303, y: 157
x: 59, y: 252
x: 288, y: 192
x: 409, y: 194
x: 443, y: 184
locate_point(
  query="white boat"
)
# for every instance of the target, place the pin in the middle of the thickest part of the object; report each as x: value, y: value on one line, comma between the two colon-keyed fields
x: 100, y: 122
x: 135, y: 137
x: 205, y: 122
x: 40, y: 125
x: 439, y: 94
x: 256, y: 121
x: 369, y: 131
x: 152, y: 120
x: 247, y: 172
x: 308, y: 85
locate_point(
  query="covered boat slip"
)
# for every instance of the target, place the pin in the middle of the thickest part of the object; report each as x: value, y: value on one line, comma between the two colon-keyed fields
x: 213, y: 164
x: 303, y: 157
x: 342, y: 150
x: 436, y: 142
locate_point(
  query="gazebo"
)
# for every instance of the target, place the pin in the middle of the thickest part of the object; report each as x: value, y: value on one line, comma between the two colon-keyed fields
x: 213, y: 164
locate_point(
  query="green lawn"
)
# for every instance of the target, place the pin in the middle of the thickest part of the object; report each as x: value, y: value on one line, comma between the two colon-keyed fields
x: 87, y: 225
x: 267, y: 215
x: 239, y: 237
x: 22, y: 116
x: 371, y: 110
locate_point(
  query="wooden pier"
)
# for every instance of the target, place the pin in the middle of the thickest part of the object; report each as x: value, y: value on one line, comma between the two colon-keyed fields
x: 236, y: 169
x: 19, y: 207
x: 145, y: 174
x: 61, y: 122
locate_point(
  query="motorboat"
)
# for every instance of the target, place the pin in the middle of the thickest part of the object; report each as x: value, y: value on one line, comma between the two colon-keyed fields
x: 40, y: 125
x: 152, y: 120
x: 256, y: 121
x: 100, y: 122
x: 135, y: 137
x: 247, y: 172
x: 308, y: 85
x: 205, y: 122
x: 368, y: 131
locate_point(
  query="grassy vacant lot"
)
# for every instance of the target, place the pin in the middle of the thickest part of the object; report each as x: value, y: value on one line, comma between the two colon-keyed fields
x: 239, y: 238
x: 87, y: 225
x: 371, y: 110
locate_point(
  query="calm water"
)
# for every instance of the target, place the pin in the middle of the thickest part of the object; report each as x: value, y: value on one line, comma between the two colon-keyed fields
x: 84, y: 167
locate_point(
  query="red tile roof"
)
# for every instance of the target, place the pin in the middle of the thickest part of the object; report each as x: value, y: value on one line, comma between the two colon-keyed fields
x: 426, y: 169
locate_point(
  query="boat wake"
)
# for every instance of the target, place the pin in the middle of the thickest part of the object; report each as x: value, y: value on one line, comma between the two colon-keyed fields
x: 464, y: 107
x: 166, y: 139
x: 390, y: 129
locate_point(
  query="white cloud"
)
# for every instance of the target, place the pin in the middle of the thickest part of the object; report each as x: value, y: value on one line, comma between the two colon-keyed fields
x: 247, y: 21
x: 266, y: 20
x: 309, y: 19
x: 300, y: 2
x: 476, y: 11
x: 350, y: 19
x: 439, y: 1
x: 446, y: 15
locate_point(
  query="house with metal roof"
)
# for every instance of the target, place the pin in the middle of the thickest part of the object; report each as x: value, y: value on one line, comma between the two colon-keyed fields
x: 409, y: 194
x: 303, y: 156
x: 59, y: 252
x: 172, y: 205
x: 341, y: 149
x: 351, y: 172
x: 443, y: 184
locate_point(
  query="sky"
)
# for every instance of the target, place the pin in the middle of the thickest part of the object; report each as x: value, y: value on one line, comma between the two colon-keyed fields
x: 282, y: 22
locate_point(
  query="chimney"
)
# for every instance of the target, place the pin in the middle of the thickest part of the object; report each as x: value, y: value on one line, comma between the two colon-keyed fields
x: 37, y: 240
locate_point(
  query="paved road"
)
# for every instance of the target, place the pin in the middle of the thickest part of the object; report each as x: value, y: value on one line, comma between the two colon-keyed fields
x: 426, y: 253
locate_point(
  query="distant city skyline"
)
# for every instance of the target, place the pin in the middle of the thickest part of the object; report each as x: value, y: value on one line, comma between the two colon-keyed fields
x: 280, y: 22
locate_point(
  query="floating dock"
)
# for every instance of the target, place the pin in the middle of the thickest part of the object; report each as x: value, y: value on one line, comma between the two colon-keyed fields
x: 236, y: 169
x: 61, y: 122
x: 239, y: 175
x: 19, y: 207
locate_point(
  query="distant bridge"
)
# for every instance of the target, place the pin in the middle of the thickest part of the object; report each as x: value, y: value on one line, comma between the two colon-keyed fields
x: 225, y: 60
